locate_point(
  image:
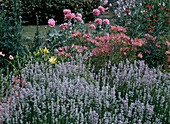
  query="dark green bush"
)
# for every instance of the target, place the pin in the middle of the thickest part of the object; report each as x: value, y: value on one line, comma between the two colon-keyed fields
x: 10, y: 34
x: 47, y: 9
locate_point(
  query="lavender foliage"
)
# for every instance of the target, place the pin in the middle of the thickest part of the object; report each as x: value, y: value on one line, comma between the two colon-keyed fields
x: 67, y: 93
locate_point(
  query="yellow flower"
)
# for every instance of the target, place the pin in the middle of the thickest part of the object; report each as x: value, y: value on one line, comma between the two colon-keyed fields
x: 41, y: 50
x: 37, y: 53
x: 45, y: 50
x: 52, y: 60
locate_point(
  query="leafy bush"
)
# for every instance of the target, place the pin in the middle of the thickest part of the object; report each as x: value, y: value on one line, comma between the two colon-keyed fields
x: 10, y: 34
x: 147, y: 17
x: 69, y: 93
x: 106, y: 42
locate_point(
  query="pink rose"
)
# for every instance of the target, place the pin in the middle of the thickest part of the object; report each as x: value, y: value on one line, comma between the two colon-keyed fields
x: 92, y: 27
x: 96, y: 12
x: 79, y: 15
x: 106, y: 21
x: 106, y: 9
x: 66, y: 11
x: 51, y: 22
x: 62, y: 27
x: 98, y: 21
x: 69, y: 16
x: 78, y: 18
x: 73, y: 15
x: 65, y: 24
x: 101, y: 8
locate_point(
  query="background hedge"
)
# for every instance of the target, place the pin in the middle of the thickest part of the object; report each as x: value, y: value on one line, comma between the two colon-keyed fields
x: 46, y: 9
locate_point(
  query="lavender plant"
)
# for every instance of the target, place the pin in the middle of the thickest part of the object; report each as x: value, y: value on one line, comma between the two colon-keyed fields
x: 69, y: 93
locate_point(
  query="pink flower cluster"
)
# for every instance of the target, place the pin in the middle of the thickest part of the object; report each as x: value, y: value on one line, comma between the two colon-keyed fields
x: 21, y: 83
x: 78, y: 17
x: 63, y: 26
x: 68, y: 15
x: 99, y: 21
x: 138, y: 42
x: 76, y: 34
x: 78, y: 48
x: 63, y: 50
x: 105, y: 44
x: 117, y: 28
x: 99, y: 10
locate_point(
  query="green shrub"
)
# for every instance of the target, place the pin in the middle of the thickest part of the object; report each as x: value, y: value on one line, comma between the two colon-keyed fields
x: 10, y: 34
x: 147, y: 17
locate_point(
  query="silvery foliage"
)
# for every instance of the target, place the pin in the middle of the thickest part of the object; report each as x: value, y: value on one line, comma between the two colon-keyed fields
x: 67, y: 93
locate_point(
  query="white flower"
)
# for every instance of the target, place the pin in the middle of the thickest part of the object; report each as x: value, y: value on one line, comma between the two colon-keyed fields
x: 1, y: 54
x: 11, y: 57
x: 142, y: 11
x: 105, y: 2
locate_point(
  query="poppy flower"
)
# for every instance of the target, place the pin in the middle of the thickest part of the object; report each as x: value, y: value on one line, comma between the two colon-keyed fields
x: 154, y: 20
x: 155, y: 17
x: 149, y: 29
x: 149, y: 7
x: 168, y: 10
x: 18, y: 95
x: 148, y: 19
x: 127, y: 11
x: 161, y: 8
x: 129, y: 29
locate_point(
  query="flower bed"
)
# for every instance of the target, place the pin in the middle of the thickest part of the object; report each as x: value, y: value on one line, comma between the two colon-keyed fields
x: 103, y: 73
